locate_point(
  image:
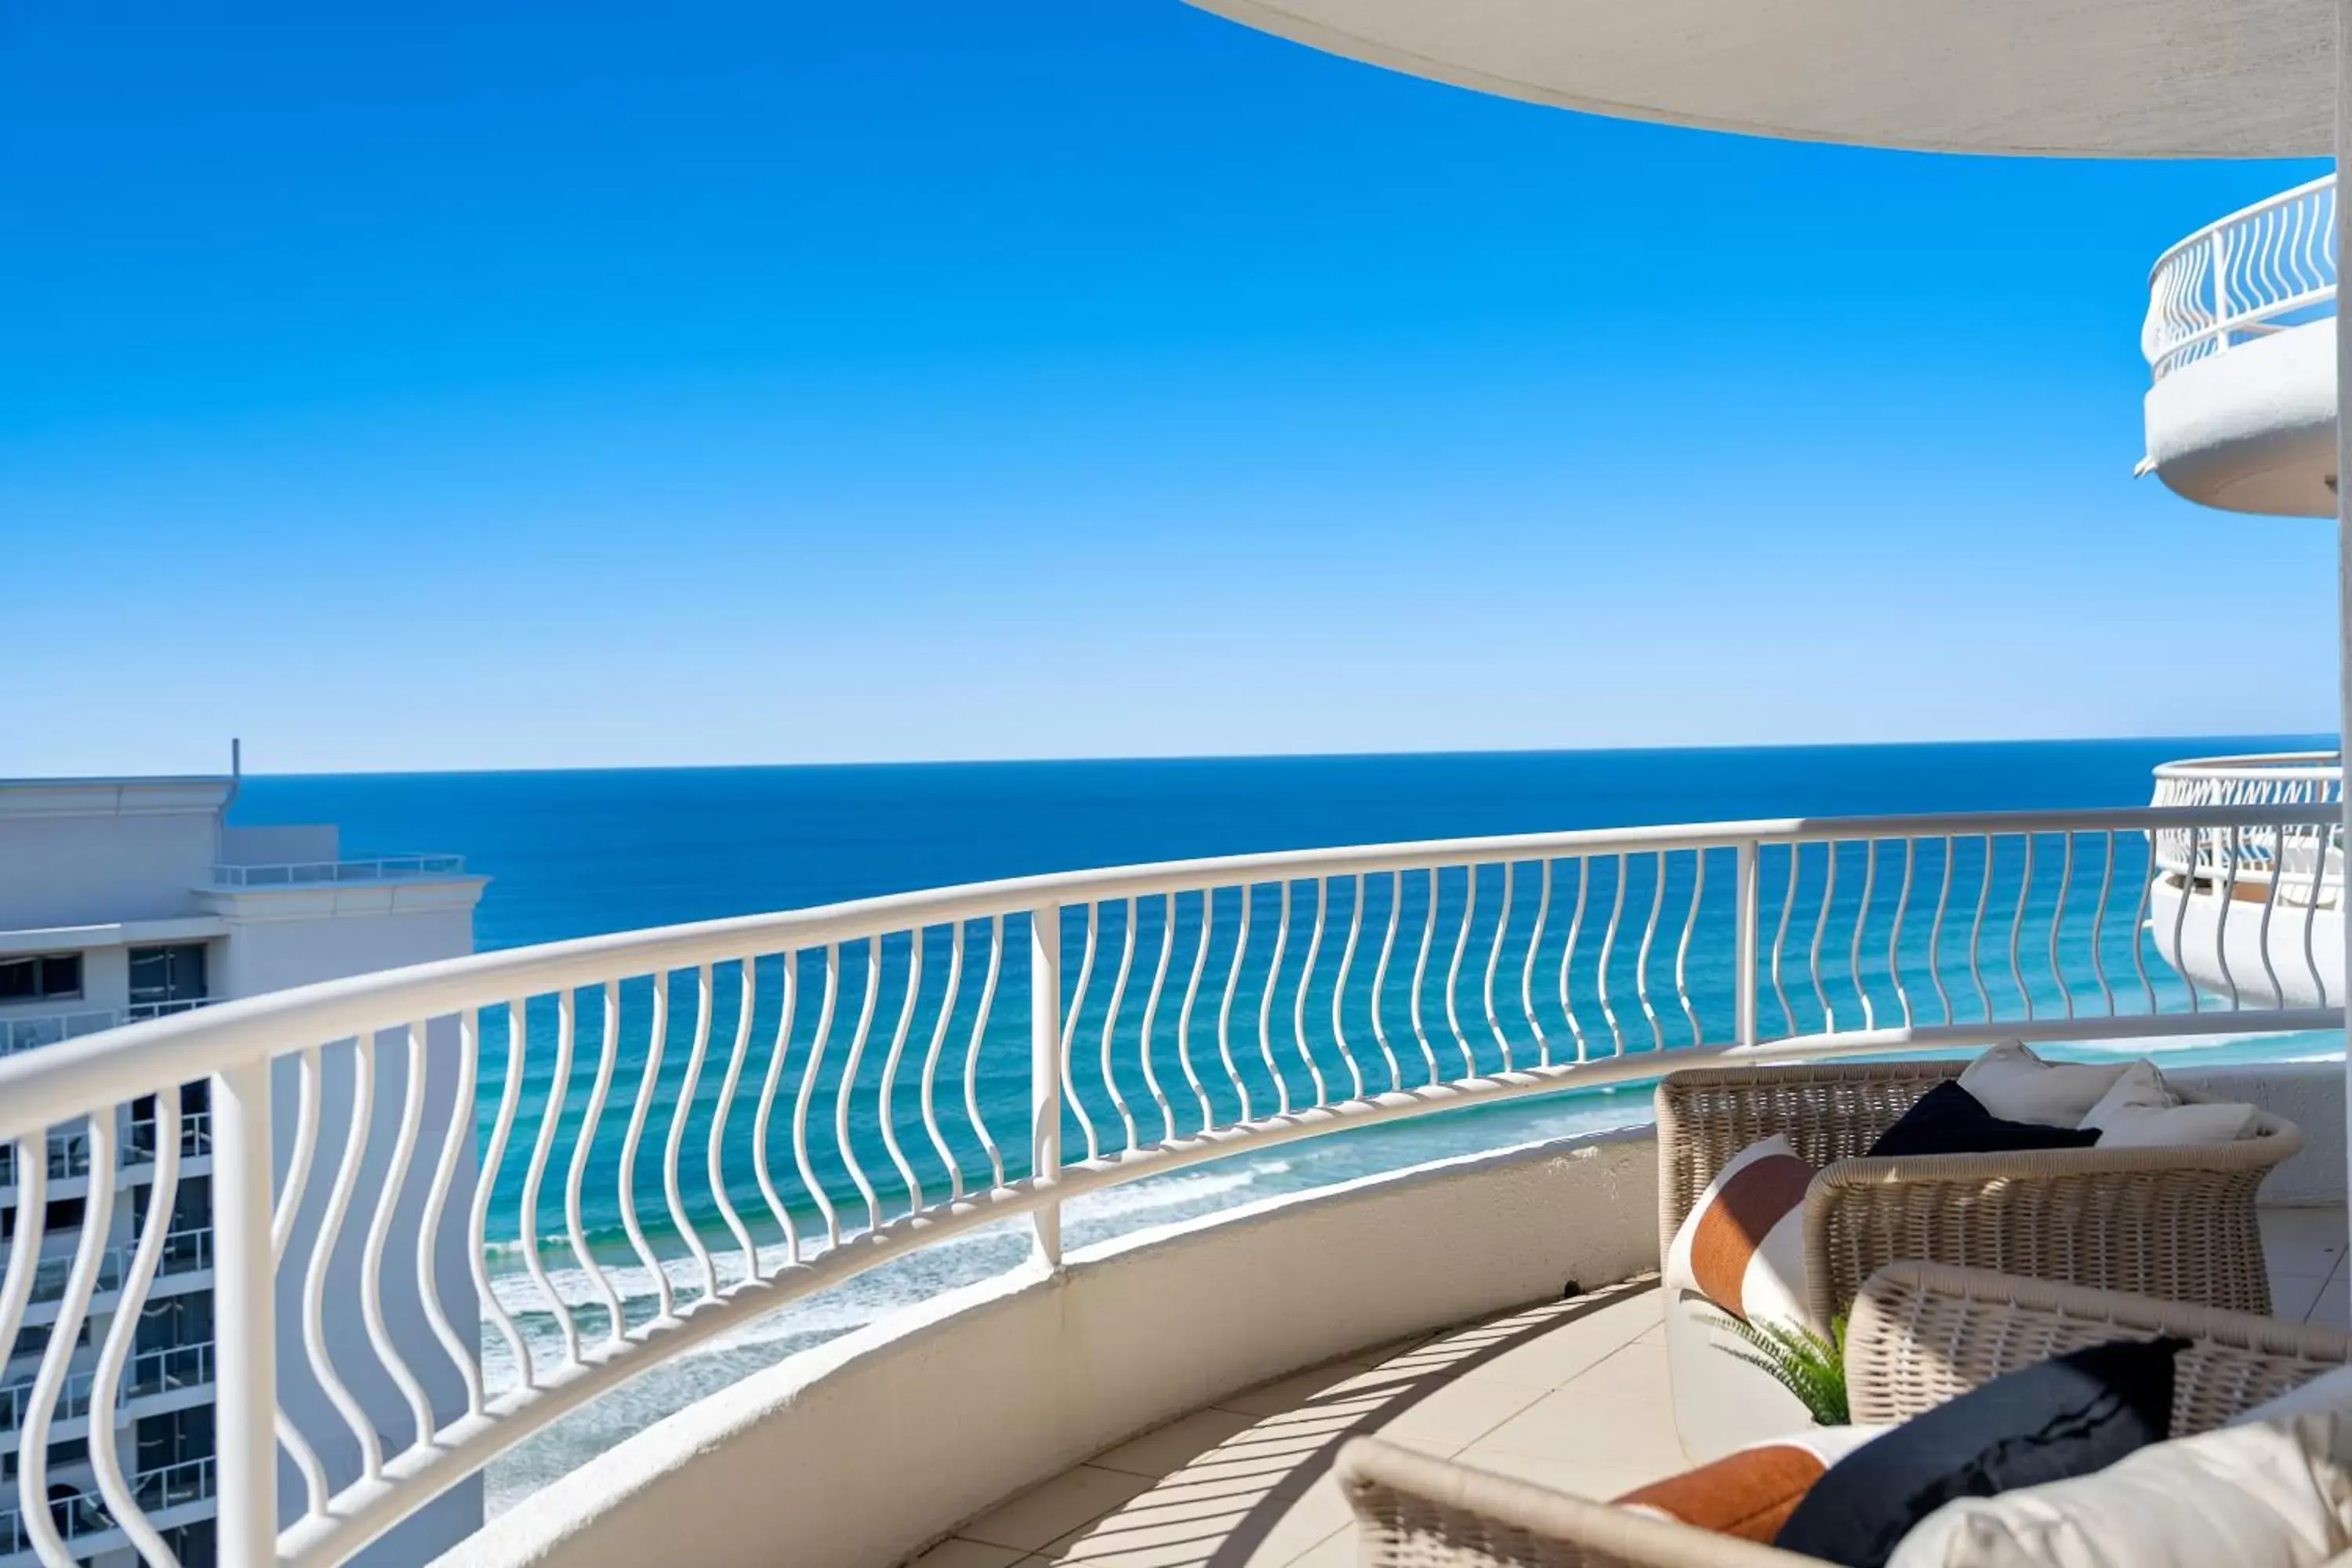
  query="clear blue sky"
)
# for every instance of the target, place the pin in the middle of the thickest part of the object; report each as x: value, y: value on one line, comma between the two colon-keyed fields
x: 511, y: 383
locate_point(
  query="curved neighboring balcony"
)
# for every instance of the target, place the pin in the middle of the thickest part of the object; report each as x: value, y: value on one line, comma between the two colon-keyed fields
x: 682, y: 1129
x: 2240, y: 339
x: 2253, y: 911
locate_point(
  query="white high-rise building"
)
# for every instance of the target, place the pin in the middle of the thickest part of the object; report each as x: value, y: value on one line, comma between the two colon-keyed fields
x: 122, y: 898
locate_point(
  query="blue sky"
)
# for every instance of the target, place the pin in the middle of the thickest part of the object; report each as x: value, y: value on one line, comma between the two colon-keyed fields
x: 519, y: 385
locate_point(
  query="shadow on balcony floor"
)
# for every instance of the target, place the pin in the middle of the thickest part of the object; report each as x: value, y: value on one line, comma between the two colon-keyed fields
x: 1571, y: 1394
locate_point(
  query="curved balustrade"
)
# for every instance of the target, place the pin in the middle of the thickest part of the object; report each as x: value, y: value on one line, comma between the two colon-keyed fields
x: 2311, y: 858
x: 2261, y: 269
x: 678, y: 1129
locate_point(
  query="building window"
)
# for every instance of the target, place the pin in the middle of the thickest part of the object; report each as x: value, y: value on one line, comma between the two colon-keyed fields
x: 160, y: 975
x: 40, y: 977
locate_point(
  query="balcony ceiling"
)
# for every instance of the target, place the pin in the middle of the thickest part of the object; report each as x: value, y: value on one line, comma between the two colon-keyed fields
x: 2149, y: 78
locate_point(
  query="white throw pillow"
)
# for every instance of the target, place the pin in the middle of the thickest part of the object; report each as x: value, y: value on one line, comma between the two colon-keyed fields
x: 1742, y: 1246
x: 2015, y: 1085
x: 2142, y: 1111
x: 2264, y: 1496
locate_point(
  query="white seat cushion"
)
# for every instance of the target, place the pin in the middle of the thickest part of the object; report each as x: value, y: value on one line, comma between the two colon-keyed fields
x: 2141, y: 1110
x: 2268, y: 1495
x: 2015, y: 1085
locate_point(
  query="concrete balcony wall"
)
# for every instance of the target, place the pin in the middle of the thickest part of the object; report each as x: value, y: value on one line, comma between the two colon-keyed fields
x: 866, y: 1449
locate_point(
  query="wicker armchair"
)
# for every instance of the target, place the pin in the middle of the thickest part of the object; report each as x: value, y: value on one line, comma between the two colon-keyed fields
x: 1920, y: 1334
x: 2177, y: 1223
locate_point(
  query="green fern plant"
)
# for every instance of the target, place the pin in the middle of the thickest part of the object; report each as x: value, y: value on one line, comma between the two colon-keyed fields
x: 1801, y: 1360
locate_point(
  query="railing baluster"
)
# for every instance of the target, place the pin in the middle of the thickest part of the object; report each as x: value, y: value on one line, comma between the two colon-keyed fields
x: 1608, y: 948
x: 1306, y: 982
x: 584, y: 1148
x: 314, y: 1281
x: 2058, y: 920
x: 1454, y: 966
x: 1568, y: 956
x: 1780, y: 935
x: 625, y: 1182
x: 2099, y: 923
x: 1860, y: 922
x: 2221, y: 918
x: 1976, y: 932
x: 1110, y: 1026
x: 542, y: 1150
x: 456, y: 1139
x: 1641, y: 958
x: 1528, y: 969
x: 1421, y: 968
x: 1493, y: 958
x: 1380, y: 980
x: 379, y: 1233
x: 672, y: 1177
x: 1147, y: 1043
x: 802, y: 1153
x: 1820, y: 927
x: 846, y: 1089
x: 477, y: 1226
x: 1048, y: 1049
x: 952, y: 988
x: 1895, y: 937
x: 746, y: 995
x: 1682, y: 948
x: 769, y: 1080
x: 1748, y: 889
x: 890, y: 1064
x: 1266, y: 1003
x: 2017, y: 927
x: 1225, y: 1004
x: 1339, y: 988
x: 1184, y: 1014
x: 971, y: 1056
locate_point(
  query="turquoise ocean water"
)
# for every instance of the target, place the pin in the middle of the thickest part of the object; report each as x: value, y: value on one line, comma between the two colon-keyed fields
x: 578, y: 853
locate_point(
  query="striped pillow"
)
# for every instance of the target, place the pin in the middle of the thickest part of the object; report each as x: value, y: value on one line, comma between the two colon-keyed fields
x: 1742, y: 1246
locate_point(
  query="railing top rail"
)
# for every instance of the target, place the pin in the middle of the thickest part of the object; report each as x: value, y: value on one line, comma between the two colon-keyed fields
x: 60, y: 1082
x: 364, y: 868
x: 2251, y: 210
x: 2267, y: 764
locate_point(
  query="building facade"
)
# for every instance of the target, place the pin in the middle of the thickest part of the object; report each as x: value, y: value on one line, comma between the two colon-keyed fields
x: 122, y: 899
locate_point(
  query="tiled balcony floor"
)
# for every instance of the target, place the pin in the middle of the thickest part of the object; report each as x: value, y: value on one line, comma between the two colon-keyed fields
x: 1571, y: 1394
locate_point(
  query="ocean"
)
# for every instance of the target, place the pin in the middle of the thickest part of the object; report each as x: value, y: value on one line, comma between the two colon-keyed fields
x: 579, y: 853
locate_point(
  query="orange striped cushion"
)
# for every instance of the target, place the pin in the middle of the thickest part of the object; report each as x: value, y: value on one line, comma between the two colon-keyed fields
x: 1750, y: 1494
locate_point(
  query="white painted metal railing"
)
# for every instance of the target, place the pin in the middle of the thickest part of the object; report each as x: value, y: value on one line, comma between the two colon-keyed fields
x: 2313, y: 864
x: 2261, y: 269
x: 378, y: 868
x: 681, y: 1128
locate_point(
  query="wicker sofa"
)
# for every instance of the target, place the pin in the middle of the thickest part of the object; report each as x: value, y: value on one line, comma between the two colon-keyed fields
x: 2174, y: 1223
x: 1920, y: 1334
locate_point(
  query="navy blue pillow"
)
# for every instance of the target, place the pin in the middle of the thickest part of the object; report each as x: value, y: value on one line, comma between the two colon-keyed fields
x: 1949, y: 1120
x: 2061, y: 1418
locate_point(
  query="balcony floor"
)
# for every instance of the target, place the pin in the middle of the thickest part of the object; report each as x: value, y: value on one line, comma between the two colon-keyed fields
x: 1570, y: 1393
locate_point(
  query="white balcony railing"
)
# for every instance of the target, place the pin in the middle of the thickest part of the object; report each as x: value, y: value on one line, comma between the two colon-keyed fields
x: 25, y: 1034
x: 2308, y: 863
x: 69, y: 1151
x: 167, y: 1369
x: 696, y: 1125
x: 2263, y: 269
x: 301, y: 873
x: 78, y: 1516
